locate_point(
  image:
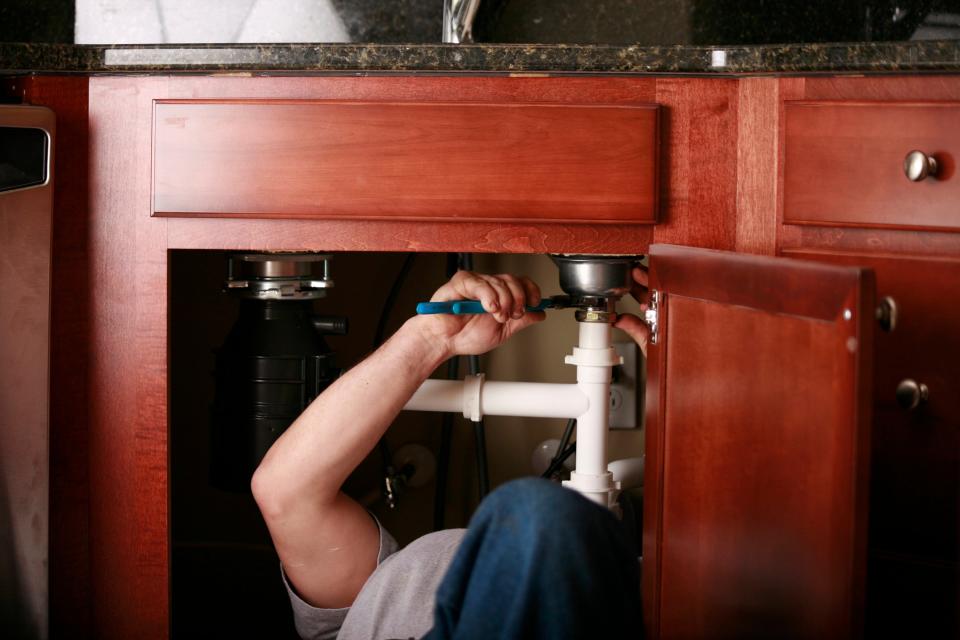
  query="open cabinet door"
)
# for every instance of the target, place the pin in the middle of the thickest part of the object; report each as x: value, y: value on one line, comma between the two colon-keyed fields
x: 757, y: 446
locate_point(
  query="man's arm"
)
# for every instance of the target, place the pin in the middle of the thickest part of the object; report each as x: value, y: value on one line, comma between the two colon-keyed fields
x: 327, y: 542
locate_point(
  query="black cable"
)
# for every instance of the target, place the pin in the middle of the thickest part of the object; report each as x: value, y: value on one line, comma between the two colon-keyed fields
x: 565, y: 440
x: 479, y: 429
x: 559, y: 460
x: 443, y: 458
x: 392, y: 299
x: 480, y: 439
x: 386, y: 458
x: 446, y: 427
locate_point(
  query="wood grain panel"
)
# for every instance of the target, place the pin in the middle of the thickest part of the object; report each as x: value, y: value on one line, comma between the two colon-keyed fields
x: 129, y: 525
x: 915, y: 504
x: 622, y: 90
x: 870, y: 241
x: 882, y: 87
x: 844, y: 164
x: 406, y: 160
x: 69, y: 570
x: 698, y: 162
x: 757, y: 128
x: 380, y: 235
x: 757, y: 445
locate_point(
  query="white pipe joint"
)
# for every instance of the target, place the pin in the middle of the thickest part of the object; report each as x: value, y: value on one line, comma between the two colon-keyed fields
x: 594, y: 359
x: 588, y: 401
x: 628, y: 472
x: 476, y: 397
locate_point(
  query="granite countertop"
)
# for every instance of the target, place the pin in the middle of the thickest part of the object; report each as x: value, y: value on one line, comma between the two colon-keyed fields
x: 878, y: 57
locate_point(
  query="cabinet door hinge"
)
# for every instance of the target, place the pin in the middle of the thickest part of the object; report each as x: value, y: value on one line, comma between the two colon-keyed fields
x: 652, y: 315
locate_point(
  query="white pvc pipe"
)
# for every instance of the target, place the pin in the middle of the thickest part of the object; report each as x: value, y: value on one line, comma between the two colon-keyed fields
x: 592, y: 428
x: 588, y: 401
x: 438, y: 395
x: 594, y: 335
x: 628, y: 472
x: 522, y: 399
x: 532, y: 400
x: 594, y: 359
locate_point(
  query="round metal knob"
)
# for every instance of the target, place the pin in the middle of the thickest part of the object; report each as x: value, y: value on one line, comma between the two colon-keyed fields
x: 918, y: 166
x: 911, y: 394
x: 887, y: 314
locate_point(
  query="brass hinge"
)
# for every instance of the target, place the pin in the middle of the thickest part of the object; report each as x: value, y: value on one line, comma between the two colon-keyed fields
x: 652, y: 315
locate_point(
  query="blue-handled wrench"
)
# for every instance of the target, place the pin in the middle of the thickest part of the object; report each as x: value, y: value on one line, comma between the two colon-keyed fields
x: 464, y: 307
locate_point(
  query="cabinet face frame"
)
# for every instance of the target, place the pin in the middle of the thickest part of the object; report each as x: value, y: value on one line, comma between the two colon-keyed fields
x: 802, y: 567
x: 110, y: 546
x: 122, y: 343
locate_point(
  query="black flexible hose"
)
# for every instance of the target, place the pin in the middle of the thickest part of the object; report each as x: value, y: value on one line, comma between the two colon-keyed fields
x: 565, y: 439
x: 559, y: 460
x: 446, y: 426
x: 443, y: 458
x: 480, y: 439
x: 479, y: 428
x: 392, y: 299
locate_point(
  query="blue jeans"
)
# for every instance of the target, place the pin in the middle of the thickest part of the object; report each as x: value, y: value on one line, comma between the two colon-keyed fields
x: 540, y: 561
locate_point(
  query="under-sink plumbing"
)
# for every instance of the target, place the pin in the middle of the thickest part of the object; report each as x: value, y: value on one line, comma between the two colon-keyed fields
x: 593, y: 284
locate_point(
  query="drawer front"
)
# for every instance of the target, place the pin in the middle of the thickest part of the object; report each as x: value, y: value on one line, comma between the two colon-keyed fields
x: 915, y: 471
x: 844, y: 164
x: 379, y: 160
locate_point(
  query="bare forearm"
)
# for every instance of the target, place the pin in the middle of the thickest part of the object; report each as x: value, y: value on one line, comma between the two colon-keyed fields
x: 326, y: 541
x: 326, y: 443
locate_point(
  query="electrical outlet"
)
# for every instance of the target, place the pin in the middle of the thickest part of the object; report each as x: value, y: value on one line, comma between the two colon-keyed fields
x: 623, y: 390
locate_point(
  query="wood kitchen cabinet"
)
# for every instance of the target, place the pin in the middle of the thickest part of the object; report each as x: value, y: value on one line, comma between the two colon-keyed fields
x: 713, y: 176
x: 758, y: 426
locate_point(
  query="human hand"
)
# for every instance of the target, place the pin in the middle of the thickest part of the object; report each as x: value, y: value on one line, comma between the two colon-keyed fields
x: 503, y: 296
x: 631, y: 324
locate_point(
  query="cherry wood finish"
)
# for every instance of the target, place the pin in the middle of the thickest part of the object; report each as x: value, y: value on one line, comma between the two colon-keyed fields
x: 915, y: 467
x: 757, y: 444
x: 109, y: 433
x: 125, y: 280
x: 844, y: 164
x: 129, y: 525
x: 912, y: 573
x: 698, y: 163
x: 908, y: 88
x: 384, y: 160
x: 757, y: 140
x: 380, y: 235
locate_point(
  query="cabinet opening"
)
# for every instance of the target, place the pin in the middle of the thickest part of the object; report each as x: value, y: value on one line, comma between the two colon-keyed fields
x: 222, y: 558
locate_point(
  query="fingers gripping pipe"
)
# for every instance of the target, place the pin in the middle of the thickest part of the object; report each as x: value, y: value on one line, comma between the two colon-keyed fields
x: 588, y: 401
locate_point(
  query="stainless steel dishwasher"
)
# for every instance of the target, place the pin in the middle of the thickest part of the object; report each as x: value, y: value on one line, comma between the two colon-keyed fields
x: 26, y: 199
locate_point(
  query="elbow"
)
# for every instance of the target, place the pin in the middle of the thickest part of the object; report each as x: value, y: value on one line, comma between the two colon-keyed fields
x: 268, y: 492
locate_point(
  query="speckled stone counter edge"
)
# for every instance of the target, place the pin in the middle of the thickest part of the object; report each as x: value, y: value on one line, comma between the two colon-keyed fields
x: 942, y: 56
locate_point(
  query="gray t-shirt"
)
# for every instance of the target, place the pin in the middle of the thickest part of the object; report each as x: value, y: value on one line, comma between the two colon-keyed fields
x: 397, y: 599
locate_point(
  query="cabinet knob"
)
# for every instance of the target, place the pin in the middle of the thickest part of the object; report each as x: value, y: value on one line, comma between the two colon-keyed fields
x: 911, y: 394
x: 918, y: 165
x: 887, y: 314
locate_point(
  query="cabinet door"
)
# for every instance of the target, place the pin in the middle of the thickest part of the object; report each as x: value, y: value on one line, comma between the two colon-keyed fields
x: 757, y: 446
